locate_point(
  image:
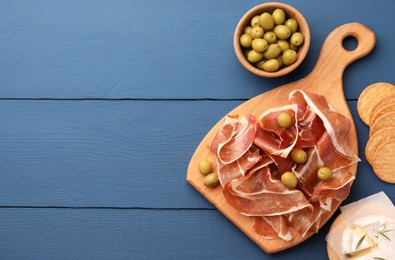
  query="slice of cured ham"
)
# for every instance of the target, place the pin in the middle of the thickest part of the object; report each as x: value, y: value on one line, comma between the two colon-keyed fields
x: 259, y: 194
x: 304, y: 220
x: 264, y: 229
x: 307, y: 172
x: 280, y: 226
x: 234, y: 138
x: 336, y: 125
x: 331, y: 157
x: 253, y: 154
x: 268, y: 143
x: 310, y: 131
x: 285, y: 138
x: 238, y: 168
x: 336, y: 188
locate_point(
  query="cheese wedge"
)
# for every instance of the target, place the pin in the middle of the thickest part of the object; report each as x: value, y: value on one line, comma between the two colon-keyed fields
x: 366, y: 254
x: 371, y: 218
x: 382, y: 231
x: 355, y: 240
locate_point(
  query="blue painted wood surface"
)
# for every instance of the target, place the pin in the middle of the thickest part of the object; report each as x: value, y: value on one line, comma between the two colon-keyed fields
x: 102, y: 104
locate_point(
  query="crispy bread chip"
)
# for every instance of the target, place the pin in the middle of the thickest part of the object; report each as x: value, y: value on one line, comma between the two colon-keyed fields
x: 383, y: 110
x: 371, y: 96
x: 384, y: 102
x: 381, y: 136
x: 386, y: 120
x: 383, y: 161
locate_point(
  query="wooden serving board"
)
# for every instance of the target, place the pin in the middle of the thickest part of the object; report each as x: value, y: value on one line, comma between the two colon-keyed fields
x: 325, y: 79
x: 331, y: 253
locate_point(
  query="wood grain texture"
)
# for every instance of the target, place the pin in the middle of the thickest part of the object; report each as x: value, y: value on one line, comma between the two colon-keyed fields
x: 331, y: 253
x: 101, y: 153
x: 326, y: 79
x: 102, y: 49
x: 130, y: 234
x: 128, y: 156
x: 116, y: 154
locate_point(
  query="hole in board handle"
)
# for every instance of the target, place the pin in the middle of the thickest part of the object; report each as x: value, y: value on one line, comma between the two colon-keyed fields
x: 350, y: 43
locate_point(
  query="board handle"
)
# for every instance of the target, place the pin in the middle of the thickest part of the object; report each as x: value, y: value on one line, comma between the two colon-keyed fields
x: 334, y: 58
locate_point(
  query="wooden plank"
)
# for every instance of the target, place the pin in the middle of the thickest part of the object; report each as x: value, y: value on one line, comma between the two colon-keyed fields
x: 157, y: 49
x: 132, y: 234
x: 94, y: 153
x: 102, y: 153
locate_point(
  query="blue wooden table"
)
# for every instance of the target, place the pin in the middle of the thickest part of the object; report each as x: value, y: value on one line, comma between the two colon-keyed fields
x: 102, y: 104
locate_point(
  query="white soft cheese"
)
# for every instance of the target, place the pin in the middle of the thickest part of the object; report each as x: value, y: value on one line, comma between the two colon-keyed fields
x: 382, y: 231
x: 378, y: 241
x: 375, y: 215
x: 355, y: 240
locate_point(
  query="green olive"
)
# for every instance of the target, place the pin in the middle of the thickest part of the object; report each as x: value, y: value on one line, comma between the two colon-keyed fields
x: 297, y: 39
x: 283, y: 45
x: 292, y: 24
x: 270, y: 37
x: 247, y: 29
x: 284, y: 120
x: 205, y: 167
x: 246, y: 51
x: 254, y: 56
x: 271, y: 65
x: 278, y: 16
x: 280, y: 62
x: 256, y: 32
x: 282, y: 32
x: 259, y: 65
x: 260, y: 45
x: 255, y: 21
x: 272, y: 51
x: 246, y: 40
x: 293, y: 47
x: 324, y: 173
x: 211, y: 180
x: 289, y: 179
x: 266, y: 21
x: 289, y: 57
x: 299, y: 156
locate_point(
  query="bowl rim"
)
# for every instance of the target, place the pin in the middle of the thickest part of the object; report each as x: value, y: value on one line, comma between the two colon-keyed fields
x: 291, y: 12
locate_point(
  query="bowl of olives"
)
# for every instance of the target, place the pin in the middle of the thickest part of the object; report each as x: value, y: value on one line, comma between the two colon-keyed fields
x: 271, y: 39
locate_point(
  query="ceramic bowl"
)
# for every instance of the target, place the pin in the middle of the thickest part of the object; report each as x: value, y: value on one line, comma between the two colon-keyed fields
x: 246, y: 21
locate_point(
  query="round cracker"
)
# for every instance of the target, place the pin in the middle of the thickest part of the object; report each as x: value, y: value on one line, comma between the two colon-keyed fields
x: 384, y: 110
x: 386, y: 120
x: 390, y: 100
x: 383, y: 161
x: 371, y: 96
x: 376, y: 140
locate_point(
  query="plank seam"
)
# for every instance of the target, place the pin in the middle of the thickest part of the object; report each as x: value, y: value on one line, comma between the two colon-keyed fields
x: 134, y: 99
x: 101, y: 208
x: 123, y: 99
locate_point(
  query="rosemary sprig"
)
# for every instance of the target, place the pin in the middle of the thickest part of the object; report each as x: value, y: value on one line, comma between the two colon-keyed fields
x: 378, y: 258
x: 383, y: 231
x: 360, y: 242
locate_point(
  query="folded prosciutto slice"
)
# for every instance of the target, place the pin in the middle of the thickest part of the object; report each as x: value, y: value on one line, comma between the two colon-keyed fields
x: 234, y: 138
x: 280, y: 226
x: 238, y: 168
x: 259, y: 194
x: 331, y: 157
x: 284, y: 138
x: 252, y: 154
x: 336, y: 125
x: 307, y: 172
x: 336, y: 188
